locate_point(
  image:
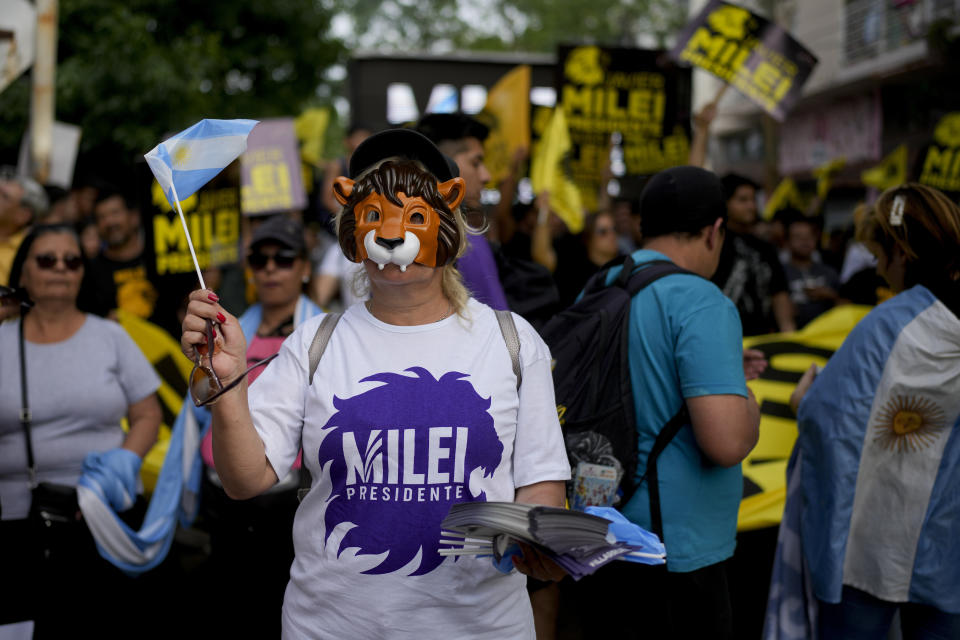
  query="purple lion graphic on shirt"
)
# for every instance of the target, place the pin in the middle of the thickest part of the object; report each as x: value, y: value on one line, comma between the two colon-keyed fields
x: 400, y: 455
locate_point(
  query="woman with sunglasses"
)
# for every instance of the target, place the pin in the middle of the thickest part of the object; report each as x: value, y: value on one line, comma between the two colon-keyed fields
x: 83, y: 375
x: 876, y: 467
x: 239, y: 578
x: 415, y: 405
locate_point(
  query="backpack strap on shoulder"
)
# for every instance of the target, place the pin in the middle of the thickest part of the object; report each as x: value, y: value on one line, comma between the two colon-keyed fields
x: 666, y: 435
x: 649, y: 273
x: 320, y: 340
x: 510, y: 336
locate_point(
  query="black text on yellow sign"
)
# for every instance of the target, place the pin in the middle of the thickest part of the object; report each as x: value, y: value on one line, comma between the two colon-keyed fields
x: 270, y: 187
x: 214, y: 229
x: 941, y: 168
x: 753, y: 55
x: 625, y: 91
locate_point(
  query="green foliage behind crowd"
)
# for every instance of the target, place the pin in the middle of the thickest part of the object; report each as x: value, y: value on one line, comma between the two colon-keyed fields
x: 130, y: 72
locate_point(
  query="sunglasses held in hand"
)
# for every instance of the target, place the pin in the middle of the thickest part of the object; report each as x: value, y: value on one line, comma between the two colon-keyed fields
x: 205, y: 384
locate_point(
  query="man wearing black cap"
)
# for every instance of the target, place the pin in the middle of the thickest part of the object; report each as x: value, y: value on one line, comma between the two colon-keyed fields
x: 461, y: 137
x: 685, y: 350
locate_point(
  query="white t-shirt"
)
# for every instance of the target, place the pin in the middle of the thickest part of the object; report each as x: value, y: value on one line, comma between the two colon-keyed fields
x: 338, y: 265
x: 400, y: 423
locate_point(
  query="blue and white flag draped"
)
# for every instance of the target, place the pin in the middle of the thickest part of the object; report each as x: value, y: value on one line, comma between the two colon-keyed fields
x: 791, y: 606
x: 101, y: 490
x: 187, y: 161
x: 879, y: 437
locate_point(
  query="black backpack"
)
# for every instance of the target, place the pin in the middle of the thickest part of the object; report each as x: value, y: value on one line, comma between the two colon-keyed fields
x: 591, y: 377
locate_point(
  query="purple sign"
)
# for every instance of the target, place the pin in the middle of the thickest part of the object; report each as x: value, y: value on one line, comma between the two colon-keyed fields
x: 270, y: 178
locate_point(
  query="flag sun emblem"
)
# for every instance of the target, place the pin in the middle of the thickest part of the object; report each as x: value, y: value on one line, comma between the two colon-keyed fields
x: 180, y: 156
x: 908, y: 423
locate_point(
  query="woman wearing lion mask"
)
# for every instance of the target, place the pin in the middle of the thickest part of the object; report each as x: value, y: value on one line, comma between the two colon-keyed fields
x: 415, y: 406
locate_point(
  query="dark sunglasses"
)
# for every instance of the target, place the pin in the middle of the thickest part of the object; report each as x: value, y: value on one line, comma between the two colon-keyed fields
x: 284, y: 259
x: 205, y: 384
x: 49, y: 261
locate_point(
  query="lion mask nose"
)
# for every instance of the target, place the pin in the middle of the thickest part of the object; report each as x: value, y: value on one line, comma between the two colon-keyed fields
x: 389, y: 243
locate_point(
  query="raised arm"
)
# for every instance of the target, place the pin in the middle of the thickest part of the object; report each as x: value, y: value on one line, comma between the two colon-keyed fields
x: 237, y: 448
x: 541, y: 242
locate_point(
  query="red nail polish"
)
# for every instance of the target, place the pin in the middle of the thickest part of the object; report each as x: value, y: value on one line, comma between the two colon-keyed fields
x: 221, y: 318
x: 214, y: 334
x: 213, y: 297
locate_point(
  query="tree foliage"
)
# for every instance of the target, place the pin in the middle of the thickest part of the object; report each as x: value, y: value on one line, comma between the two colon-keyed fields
x: 130, y: 72
x: 524, y: 25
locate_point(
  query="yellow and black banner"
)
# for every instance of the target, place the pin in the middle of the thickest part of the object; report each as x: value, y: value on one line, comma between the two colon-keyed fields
x: 789, y: 355
x: 606, y: 90
x: 755, y: 56
x: 213, y: 217
x: 939, y: 161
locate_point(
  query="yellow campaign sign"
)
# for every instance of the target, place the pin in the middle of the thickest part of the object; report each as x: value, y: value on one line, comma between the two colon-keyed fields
x: 890, y: 172
x: 173, y: 368
x: 213, y: 217
x: 507, y: 113
x: 548, y: 173
x: 941, y: 160
x: 752, y: 54
x: 785, y: 195
x: 825, y: 174
x: 311, y: 127
x: 789, y: 355
x: 629, y: 92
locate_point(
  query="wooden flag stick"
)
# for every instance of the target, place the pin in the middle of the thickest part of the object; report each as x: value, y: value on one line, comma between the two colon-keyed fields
x: 183, y: 220
x: 722, y: 90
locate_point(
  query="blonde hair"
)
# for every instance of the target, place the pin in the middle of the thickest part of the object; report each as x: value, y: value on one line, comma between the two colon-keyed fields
x: 924, y: 223
x: 452, y: 239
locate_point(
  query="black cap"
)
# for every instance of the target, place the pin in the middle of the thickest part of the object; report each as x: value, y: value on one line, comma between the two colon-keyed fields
x: 405, y: 143
x: 282, y: 230
x: 681, y: 200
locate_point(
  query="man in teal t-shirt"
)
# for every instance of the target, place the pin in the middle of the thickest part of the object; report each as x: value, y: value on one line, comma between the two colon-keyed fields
x: 685, y: 347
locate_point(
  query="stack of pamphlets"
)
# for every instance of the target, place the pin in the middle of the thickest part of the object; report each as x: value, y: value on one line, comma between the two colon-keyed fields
x: 580, y: 542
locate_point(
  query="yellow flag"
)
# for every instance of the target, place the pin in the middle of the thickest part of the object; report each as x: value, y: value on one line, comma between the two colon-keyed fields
x: 310, y: 127
x: 549, y: 173
x: 825, y: 174
x: 890, y: 172
x: 507, y: 113
x: 785, y: 195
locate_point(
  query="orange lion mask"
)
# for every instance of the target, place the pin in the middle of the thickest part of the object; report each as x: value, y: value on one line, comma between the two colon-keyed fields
x: 398, y: 213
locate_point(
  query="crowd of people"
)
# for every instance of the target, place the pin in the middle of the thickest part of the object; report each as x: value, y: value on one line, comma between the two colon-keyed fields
x: 417, y: 400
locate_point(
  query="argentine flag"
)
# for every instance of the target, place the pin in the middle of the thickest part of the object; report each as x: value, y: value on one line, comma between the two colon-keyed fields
x: 879, y: 457
x: 187, y: 161
x: 175, y: 499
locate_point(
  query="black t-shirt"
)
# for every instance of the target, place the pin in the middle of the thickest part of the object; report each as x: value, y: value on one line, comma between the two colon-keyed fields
x: 573, y: 268
x: 750, y: 274
x: 112, y: 284
x: 799, y: 280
